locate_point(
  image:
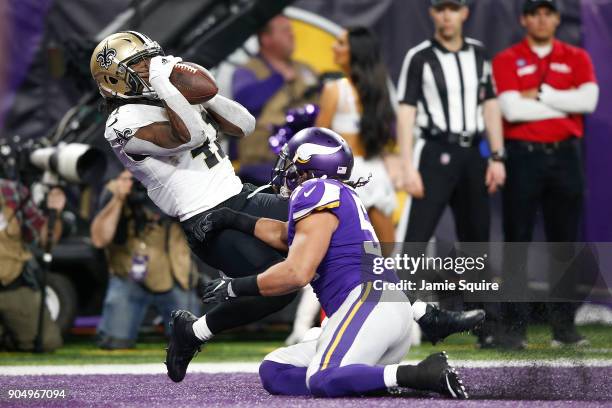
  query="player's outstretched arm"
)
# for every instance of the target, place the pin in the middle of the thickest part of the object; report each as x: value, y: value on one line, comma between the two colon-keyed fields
x: 272, y: 232
x: 310, y: 244
x: 233, y: 118
x: 308, y: 248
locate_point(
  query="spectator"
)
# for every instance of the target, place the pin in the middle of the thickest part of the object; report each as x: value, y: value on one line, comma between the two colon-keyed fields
x: 545, y: 86
x: 269, y: 84
x: 149, y: 262
x: 446, y: 91
x: 358, y: 107
x: 23, y: 224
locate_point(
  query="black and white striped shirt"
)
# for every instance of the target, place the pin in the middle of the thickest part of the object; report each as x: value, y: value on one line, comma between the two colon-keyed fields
x: 448, y: 88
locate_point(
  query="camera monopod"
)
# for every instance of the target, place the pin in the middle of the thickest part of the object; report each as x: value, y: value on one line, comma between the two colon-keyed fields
x: 47, y: 258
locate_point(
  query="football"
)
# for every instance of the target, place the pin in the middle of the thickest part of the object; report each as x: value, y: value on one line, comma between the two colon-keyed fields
x: 193, y: 82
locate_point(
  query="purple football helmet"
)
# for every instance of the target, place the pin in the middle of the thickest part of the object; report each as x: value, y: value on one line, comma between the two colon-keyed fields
x: 314, y: 152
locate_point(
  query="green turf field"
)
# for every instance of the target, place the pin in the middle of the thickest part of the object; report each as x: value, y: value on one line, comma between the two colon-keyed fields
x: 232, y: 348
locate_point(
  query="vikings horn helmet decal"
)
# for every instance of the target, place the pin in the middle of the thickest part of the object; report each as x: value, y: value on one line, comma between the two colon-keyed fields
x: 305, y: 151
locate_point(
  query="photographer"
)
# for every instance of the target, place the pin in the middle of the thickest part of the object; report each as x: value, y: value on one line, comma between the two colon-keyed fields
x: 149, y: 262
x: 23, y: 224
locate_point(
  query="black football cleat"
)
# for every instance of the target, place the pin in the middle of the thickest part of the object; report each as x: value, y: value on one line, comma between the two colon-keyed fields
x: 433, y: 374
x: 183, y: 344
x: 437, y: 324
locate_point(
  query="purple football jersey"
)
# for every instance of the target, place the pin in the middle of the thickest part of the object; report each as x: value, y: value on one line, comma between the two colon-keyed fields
x: 342, y: 268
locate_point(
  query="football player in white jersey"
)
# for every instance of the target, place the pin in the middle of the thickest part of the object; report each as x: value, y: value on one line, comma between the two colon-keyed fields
x: 171, y: 147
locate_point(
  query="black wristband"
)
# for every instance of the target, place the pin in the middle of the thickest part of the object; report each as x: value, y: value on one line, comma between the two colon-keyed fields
x: 246, y: 286
x: 243, y: 222
x: 498, y: 156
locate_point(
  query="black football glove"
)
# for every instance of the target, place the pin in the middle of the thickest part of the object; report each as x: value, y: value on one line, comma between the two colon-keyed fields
x: 223, y: 289
x: 223, y: 218
x: 217, y: 291
x: 213, y: 221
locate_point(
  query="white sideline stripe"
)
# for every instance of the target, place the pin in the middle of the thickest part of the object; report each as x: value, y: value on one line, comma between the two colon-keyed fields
x: 254, y: 366
x: 126, y: 369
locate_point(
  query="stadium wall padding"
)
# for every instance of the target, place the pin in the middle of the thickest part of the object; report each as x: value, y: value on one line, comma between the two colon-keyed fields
x: 597, y: 29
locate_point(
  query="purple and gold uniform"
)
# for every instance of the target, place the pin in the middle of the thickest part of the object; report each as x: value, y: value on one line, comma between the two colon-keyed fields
x: 368, y: 330
x: 342, y: 268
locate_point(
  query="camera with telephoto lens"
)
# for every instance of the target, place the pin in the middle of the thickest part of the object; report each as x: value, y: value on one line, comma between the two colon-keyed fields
x: 74, y: 162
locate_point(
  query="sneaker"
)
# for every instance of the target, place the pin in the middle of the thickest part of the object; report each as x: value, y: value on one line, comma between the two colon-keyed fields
x: 437, y: 324
x: 569, y: 338
x: 183, y: 344
x: 433, y: 374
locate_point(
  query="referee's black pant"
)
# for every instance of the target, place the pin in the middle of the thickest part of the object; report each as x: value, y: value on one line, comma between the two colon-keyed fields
x: 237, y: 254
x: 452, y: 175
x: 548, y: 178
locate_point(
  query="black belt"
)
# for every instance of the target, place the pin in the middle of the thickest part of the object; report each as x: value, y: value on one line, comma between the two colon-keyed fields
x: 541, y: 146
x: 463, y: 139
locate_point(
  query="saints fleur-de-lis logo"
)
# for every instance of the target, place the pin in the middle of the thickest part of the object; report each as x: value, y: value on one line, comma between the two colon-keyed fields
x: 105, y: 57
x: 123, y: 136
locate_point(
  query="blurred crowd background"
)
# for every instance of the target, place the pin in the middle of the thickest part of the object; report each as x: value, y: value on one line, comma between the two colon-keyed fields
x: 106, y: 222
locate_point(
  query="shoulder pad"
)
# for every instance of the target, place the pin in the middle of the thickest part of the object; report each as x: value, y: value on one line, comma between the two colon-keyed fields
x: 314, y: 195
x: 125, y: 121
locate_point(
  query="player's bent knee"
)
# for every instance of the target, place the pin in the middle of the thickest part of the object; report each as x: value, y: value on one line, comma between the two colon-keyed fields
x: 283, y: 379
x: 268, y: 375
x: 324, y: 384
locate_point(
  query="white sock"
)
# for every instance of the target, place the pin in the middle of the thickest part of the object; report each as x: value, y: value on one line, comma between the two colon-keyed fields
x: 390, y: 375
x: 201, y: 330
x: 418, y: 310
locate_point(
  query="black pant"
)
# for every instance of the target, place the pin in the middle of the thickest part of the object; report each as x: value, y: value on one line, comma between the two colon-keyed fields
x: 452, y: 175
x: 238, y: 254
x: 551, y: 180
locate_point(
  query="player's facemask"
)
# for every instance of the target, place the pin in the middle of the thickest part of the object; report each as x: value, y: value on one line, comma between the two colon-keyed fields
x: 285, y: 175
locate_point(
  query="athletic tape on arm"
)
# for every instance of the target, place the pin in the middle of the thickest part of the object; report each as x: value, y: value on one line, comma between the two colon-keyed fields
x: 233, y: 112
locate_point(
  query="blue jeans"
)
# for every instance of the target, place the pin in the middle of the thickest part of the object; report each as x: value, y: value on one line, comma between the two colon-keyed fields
x: 126, y: 304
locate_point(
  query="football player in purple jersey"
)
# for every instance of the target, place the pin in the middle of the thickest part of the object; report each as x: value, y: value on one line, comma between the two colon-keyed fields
x: 330, y: 241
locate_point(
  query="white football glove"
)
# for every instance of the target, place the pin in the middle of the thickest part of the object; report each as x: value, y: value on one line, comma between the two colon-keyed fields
x: 161, y: 66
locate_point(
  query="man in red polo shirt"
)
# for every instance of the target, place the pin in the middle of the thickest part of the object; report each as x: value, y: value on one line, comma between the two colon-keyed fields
x: 545, y: 87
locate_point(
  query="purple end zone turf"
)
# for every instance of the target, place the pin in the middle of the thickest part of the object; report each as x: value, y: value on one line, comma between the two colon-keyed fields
x: 506, y: 387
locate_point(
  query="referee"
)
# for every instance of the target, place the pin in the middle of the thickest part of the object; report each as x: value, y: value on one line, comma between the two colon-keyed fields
x: 446, y: 96
x: 545, y: 88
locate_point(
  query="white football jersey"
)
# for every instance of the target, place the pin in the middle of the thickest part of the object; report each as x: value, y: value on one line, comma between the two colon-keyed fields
x: 182, y: 185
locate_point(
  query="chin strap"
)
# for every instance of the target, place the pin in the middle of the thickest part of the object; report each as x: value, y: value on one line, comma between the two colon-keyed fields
x: 259, y: 189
